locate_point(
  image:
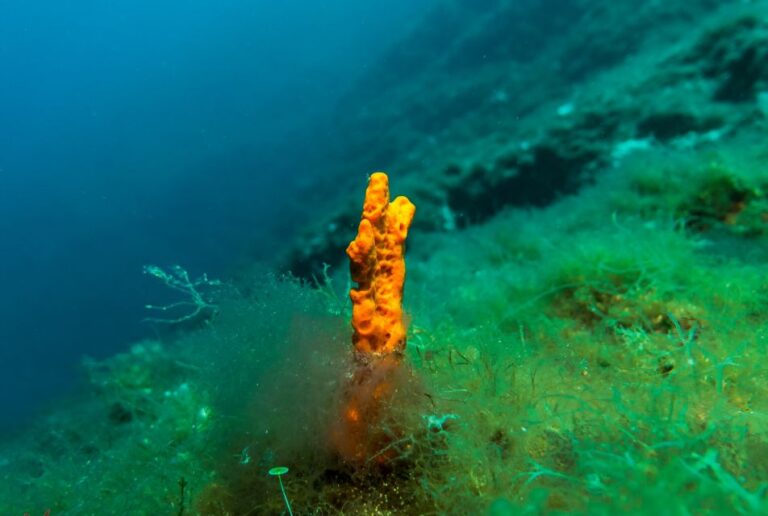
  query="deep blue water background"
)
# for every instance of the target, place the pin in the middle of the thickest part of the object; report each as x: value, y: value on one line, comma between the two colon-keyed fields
x: 152, y: 132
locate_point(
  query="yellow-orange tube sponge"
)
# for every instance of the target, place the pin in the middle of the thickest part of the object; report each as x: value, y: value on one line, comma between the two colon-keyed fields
x: 377, y: 264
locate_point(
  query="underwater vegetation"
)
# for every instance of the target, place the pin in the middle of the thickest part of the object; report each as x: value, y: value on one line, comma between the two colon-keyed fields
x: 604, y: 354
x: 586, y: 310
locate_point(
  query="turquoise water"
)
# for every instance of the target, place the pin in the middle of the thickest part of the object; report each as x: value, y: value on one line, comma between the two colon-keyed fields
x: 135, y: 134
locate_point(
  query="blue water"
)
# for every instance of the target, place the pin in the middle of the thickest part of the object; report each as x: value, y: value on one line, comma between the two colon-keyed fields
x: 152, y: 132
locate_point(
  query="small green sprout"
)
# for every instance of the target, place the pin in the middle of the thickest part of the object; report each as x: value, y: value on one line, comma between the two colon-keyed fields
x: 278, y: 472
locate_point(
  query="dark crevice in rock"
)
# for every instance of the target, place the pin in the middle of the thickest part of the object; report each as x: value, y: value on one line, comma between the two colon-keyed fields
x: 523, y: 181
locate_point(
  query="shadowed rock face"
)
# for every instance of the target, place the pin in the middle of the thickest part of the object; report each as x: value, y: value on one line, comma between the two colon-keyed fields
x: 481, y: 109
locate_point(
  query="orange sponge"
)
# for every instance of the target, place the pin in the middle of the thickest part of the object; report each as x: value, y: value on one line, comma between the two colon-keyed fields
x: 377, y: 264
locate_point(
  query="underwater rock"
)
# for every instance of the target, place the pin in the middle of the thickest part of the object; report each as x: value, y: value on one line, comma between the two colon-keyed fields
x: 471, y: 137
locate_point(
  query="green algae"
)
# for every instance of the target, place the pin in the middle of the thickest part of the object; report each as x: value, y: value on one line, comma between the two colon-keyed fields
x: 571, y: 359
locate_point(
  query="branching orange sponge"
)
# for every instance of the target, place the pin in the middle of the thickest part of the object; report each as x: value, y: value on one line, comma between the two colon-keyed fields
x: 377, y: 264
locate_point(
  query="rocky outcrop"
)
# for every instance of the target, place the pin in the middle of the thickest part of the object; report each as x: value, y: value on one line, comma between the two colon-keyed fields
x: 515, y: 104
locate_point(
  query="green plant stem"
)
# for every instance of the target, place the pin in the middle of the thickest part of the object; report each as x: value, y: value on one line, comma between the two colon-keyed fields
x: 285, y: 496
